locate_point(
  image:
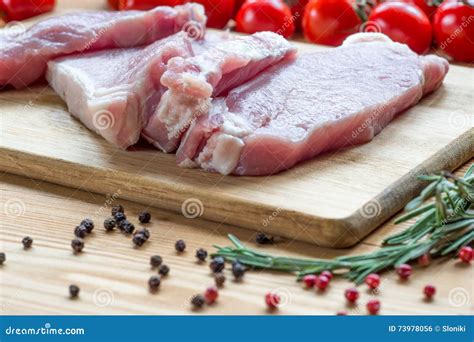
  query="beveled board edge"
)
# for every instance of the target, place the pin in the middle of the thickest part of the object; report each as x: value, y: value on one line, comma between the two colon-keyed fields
x: 327, y: 232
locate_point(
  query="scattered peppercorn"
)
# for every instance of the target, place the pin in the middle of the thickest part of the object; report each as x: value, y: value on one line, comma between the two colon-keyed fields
x: 117, y: 209
x: 198, y: 301
x: 77, y: 245
x: 145, y: 232
x: 154, y: 283
x: 373, y: 280
x: 201, y: 254
x: 424, y: 260
x: 321, y: 282
x: 3, y: 258
x: 126, y: 226
x: 164, y: 270
x: 327, y: 274
x: 309, y: 280
x: 211, y: 294
x: 80, y: 231
x: 144, y: 217
x: 156, y: 261
x: 429, y: 291
x: 27, y: 242
x: 217, y: 264
x: 272, y: 300
x: 180, y: 246
x: 74, y: 291
x: 264, y: 239
x: 141, y: 236
x: 138, y: 240
x: 404, y: 271
x: 119, y: 217
x: 219, y: 278
x: 238, y: 270
x: 88, y: 224
x: 341, y: 313
x: 352, y: 295
x: 109, y: 224
x: 466, y: 254
x: 373, y: 306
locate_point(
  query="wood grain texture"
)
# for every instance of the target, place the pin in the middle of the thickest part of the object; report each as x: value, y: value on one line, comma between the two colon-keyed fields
x: 113, y: 275
x: 334, y: 200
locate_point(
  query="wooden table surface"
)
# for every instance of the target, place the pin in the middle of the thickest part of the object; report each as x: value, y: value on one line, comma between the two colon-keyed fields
x: 113, y: 275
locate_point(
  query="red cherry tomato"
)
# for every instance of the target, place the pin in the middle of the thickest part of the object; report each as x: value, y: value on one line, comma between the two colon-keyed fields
x: 218, y: 12
x: 238, y: 5
x: 23, y: 9
x: 113, y: 4
x: 297, y: 10
x: 329, y: 22
x: 403, y: 23
x: 142, y: 5
x: 427, y: 6
x: 453, y: 27
x: 265, y: 15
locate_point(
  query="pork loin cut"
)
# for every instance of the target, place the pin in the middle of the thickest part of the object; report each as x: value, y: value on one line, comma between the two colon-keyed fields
x: 193, y: 81
x: 23, y: 56
x: 319, y: 102
x: 113, y: 92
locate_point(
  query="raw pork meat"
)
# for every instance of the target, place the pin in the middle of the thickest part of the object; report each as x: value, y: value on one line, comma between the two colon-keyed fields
x: 113, y: 92
x: 193, y: 81
x: 23, y: 57
x: 319, y: 102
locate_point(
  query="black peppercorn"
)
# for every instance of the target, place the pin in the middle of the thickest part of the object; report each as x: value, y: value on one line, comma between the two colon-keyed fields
x: 198, y: 301
x: 145, y: 232
x: 238, y: 270
x: 201, y: 254
x: 119, y: 217
x: 77, y: 245
x: 139, y: 240
x: 80, y: 232
x: 154, y: 283
x: 74, y: 291
x: 27, y: 242
x: 180, y: 245
x: 219, y: 278
x: 88, y: 224
x: 126, y: 227
x: 217, y: 264
x: 164, y: 270
x: 117, y: 209
x: 263, y: 239
x: 144, y: 217
x: 109, y: 224
x: 3, y: 258
x: 156, y: 261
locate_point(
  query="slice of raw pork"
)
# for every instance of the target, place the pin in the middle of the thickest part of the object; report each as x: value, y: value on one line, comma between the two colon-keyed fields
x: 113, y: 92
x: 193, y: 81
x: 23, y: 56
x: 319, y: 102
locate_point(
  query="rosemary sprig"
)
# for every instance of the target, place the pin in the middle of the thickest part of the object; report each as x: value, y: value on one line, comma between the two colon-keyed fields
x: 443, y: 227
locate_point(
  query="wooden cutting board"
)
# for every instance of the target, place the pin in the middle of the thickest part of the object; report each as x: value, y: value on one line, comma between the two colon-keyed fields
x: 334, y: 200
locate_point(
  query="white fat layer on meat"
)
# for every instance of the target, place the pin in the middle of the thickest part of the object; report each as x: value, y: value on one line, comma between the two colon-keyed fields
x: 90, y: 104
x: 222, y: 154
x: 223, y: 150
x: 178, y: 111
